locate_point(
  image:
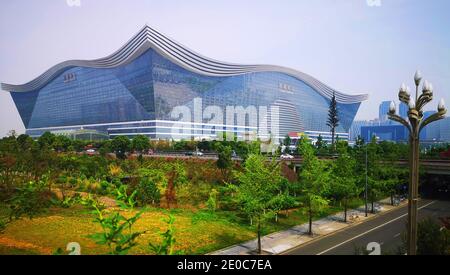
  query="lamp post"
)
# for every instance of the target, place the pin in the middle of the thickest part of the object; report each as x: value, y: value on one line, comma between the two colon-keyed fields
x: 415, y: 124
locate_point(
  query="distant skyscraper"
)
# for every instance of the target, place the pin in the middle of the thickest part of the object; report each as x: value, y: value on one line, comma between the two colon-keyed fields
x: 355, y: 130
x: 444, y: 131
x: 403, y: 110
x: 423, y: 134
x: 395, y: 133
x: 384, y: 110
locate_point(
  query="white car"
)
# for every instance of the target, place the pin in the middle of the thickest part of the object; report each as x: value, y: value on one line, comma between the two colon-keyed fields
x: 197, y: 153
x: 286, y: 156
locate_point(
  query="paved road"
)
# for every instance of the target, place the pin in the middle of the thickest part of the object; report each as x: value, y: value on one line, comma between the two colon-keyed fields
x: 387, y: 230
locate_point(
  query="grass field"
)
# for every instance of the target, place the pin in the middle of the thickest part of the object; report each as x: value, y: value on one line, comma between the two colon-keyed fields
x: 197, y: 232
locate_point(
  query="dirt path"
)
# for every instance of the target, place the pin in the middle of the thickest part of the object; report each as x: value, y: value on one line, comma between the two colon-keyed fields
x: 5, y: 241
x: 106, y: 201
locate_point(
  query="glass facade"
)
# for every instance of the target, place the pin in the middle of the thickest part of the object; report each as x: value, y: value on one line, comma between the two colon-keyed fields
x: 138, y: 98
x: 396, y: 133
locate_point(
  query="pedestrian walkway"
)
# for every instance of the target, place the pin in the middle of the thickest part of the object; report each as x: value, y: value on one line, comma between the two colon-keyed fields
x: 282, y: 241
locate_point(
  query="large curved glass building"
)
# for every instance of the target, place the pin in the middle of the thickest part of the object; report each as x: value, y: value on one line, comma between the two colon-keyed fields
x: 135, y: 90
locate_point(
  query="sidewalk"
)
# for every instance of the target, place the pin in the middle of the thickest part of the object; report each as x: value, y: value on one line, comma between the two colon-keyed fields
x: 279, y: 242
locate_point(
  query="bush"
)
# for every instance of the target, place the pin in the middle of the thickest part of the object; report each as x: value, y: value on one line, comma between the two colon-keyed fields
x: 212, y: 201
x: 147, y: 192
x: 431, y: 240
x: 30, y: 200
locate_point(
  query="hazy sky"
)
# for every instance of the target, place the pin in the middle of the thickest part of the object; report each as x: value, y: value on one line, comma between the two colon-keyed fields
x: 350, y: 45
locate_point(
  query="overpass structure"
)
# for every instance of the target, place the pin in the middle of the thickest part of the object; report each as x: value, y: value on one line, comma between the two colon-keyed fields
x: 434, y: 167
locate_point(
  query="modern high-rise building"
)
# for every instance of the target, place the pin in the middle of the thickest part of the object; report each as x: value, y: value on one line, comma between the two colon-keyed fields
x: 438, y: 131
x: 383, y: 111
x: 396, y: 133
x: 404, y: 109
x: 153, y: 82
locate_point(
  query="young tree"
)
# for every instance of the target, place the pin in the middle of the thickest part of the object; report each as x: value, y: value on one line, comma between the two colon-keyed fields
x: 333, y: 119
x: 46, y: 140
x: 121, y: 145
x: 224, y: 163
x: 166, y: 247
x: 140, y: 143
x: 287, y: 143
x: 374, y: 172
x: 117, y: 232
x: 344, y: 181
x: 105, y: 148
x: 152, y: 184
x: 62, y: 143
x: 258, y: 190
x: 314, y: 179
x: 176, y: 175
x: 319, y: 142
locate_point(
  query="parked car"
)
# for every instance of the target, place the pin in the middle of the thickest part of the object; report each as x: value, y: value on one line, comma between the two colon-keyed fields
x: 197, y: 154
x: 194, y: 153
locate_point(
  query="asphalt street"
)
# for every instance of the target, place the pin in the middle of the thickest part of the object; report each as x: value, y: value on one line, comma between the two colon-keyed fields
x: 386, y: 230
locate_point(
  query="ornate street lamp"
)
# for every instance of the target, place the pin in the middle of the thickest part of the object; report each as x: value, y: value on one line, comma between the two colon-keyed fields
x: 415, y: 124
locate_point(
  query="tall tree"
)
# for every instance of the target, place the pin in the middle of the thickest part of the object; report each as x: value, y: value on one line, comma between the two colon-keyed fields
x: 343, y: 177
x: 258, y: 190
x: 46, y: 140
x: 333, y: 119
x: 287, y: 143
x: 376, y: 186
x: 140, y: 143
x: 121, y: 145
x: 224, y: 162
x: 314, y: 181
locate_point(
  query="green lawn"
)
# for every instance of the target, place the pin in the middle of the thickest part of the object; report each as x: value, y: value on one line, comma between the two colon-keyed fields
x: 197, y: 232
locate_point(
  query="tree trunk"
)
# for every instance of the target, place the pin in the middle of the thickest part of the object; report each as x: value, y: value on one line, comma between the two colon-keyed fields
x: 392, y: 199
x: 332, y: 139
x: 373, y: 209
x: 310, y: 220
x: 259, y: 236
x: 345, y: 210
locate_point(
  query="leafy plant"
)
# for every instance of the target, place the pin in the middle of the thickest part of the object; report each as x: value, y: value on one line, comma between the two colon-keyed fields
x: 431, y: 239
x: 117, y: 229
x: 258, y: 191
x: 29, y: 200
x: 68, y: 201
x: 314, y: 179
x: 212, y: 200
x: 166, y: 247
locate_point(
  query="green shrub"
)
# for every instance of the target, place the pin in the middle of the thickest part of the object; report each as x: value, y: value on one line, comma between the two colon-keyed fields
x: 30, y: 200
x: 166, y: 247
x: 212, y: 201
x: 148, y: 192
x: 117, y: 230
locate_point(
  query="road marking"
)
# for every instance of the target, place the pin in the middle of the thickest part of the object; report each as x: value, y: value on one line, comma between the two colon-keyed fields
x: 373, y: 229
x: 397, y: 235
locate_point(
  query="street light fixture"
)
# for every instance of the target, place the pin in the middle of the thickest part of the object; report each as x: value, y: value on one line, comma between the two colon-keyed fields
x: 415, y: 124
